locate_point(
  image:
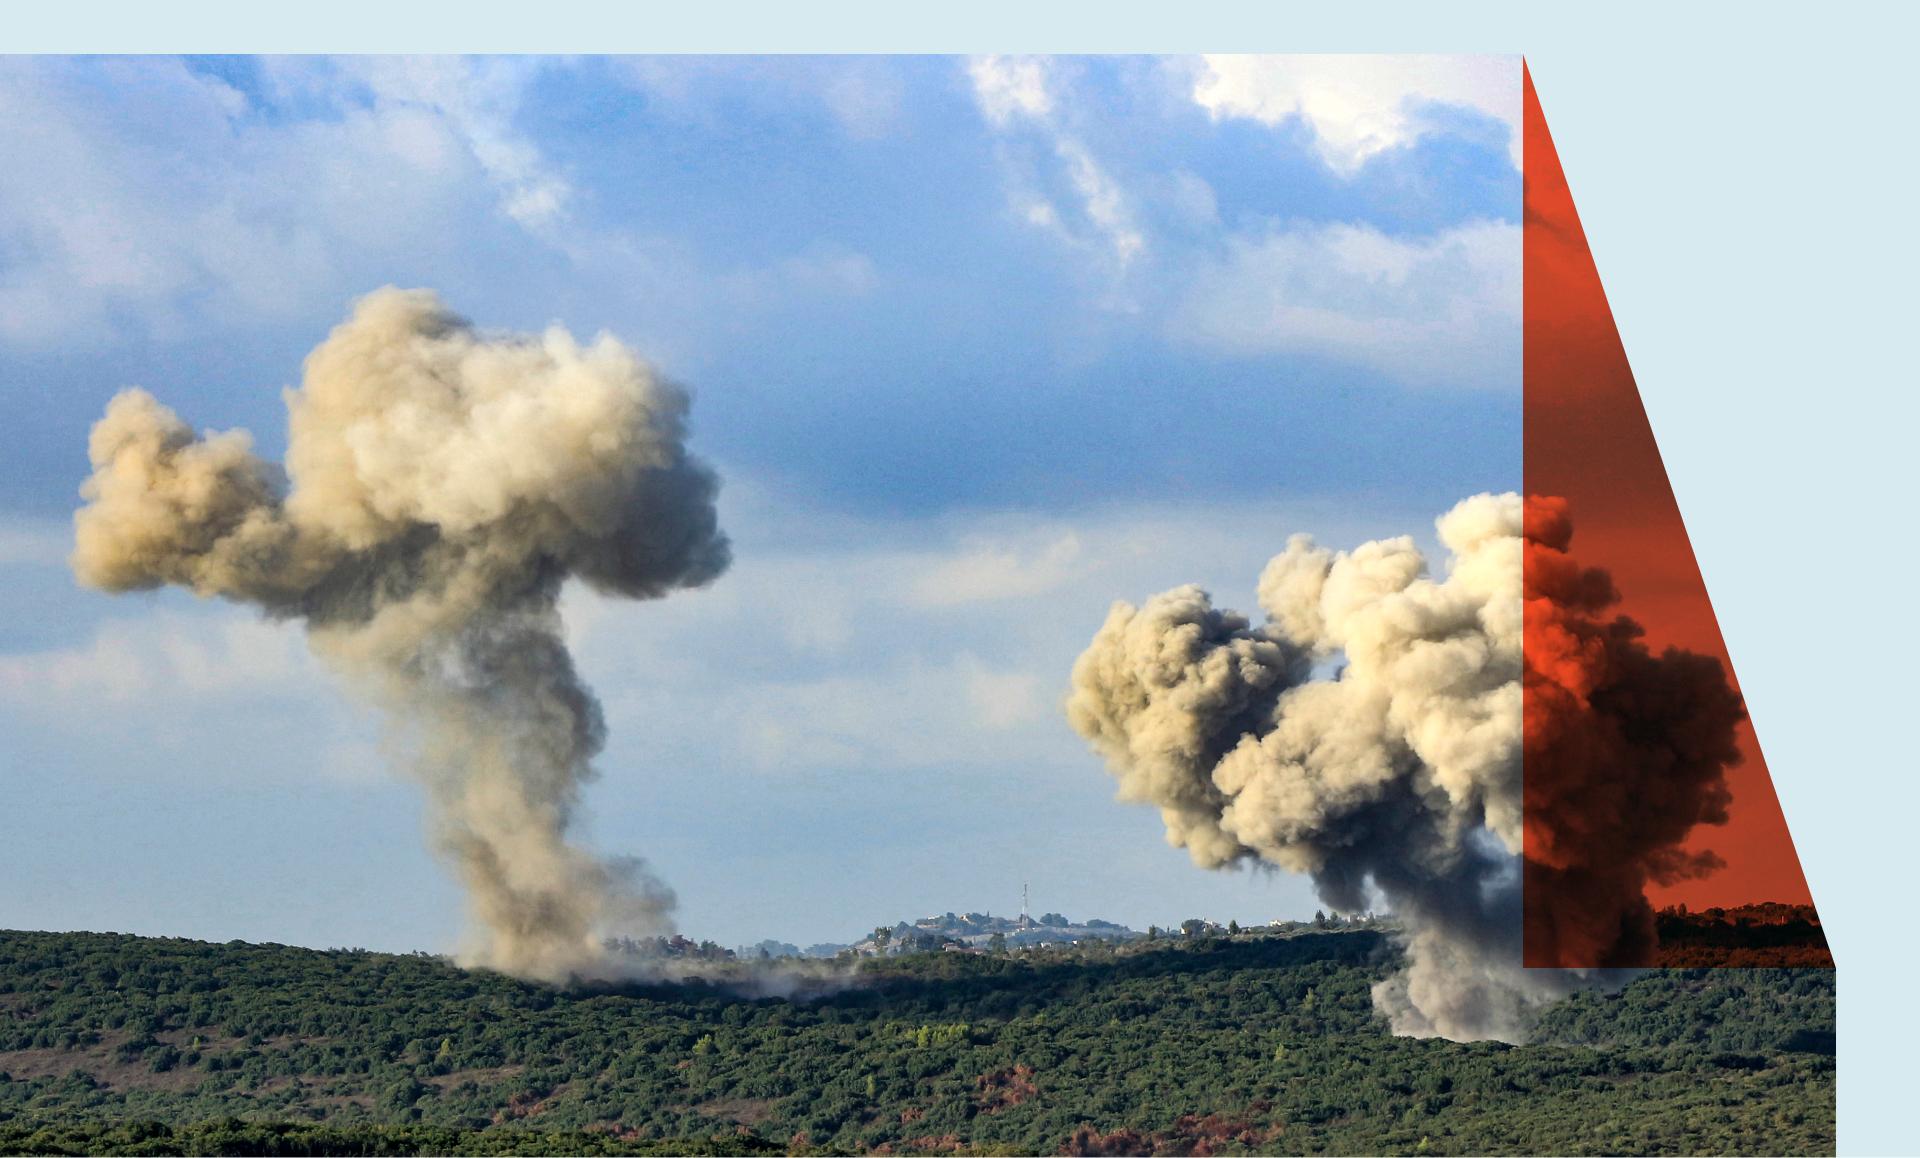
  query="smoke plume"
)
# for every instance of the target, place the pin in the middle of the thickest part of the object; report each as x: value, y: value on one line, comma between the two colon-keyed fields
x: 440, y: 486
x: 1397, y: 776
x: 1626, y: 752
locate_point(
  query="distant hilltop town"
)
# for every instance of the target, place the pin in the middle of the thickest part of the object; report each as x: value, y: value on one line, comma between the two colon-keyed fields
x: 985, y: 933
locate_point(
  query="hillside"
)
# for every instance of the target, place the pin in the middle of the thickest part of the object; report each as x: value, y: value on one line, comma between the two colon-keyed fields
x: 1189, y: 1046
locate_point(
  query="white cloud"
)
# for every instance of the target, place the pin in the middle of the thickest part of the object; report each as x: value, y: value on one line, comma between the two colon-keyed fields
x: 1016, y: 93
x: 176, y: 201
x: 165, y: 657
x: 151, y: 197
x: 1102, y: 199
x: 476, y: 98
x: 1007, y: 87
x: 1359, y: 105
x: 864, y: 95
x: 1442, y: 309
x: 215, y: 695
x: 1003, y: 700
x: 995, y: 569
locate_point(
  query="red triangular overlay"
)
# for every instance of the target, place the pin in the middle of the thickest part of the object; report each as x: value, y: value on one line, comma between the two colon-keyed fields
x: 1666, y: 786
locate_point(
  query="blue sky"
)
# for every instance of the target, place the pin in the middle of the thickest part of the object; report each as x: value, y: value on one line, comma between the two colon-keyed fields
x: 979, y: 345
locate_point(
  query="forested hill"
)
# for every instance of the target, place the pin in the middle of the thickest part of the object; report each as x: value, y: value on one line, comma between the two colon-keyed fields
x: 1202, y: 1045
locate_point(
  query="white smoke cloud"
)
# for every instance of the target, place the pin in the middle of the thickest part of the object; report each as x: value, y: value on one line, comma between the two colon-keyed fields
x: 440, y: 486
x: 1399, y: 777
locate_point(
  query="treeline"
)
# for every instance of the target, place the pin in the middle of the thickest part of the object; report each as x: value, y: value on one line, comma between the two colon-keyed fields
x: 1201, y: 1045
x: 1763, y: 936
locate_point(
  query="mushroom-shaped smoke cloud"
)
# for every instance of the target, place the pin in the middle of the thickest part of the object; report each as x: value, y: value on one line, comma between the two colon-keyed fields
x: 1400, y: 775
x: 440, y: 486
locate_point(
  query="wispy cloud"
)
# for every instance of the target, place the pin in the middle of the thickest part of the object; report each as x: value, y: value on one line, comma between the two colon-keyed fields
x: 474, y: 99
x: 995, y: 569
x: 1439, y: 308
x: 163, y: 659
x: 1442, y: 309
x: 1014, y: 95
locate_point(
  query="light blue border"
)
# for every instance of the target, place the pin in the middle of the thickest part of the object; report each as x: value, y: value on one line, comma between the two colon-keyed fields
x: 1745, y: 176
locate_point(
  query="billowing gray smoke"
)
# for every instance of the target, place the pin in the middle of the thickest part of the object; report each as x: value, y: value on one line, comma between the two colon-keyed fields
x: 1398, y: 776
x: 440, y: 486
